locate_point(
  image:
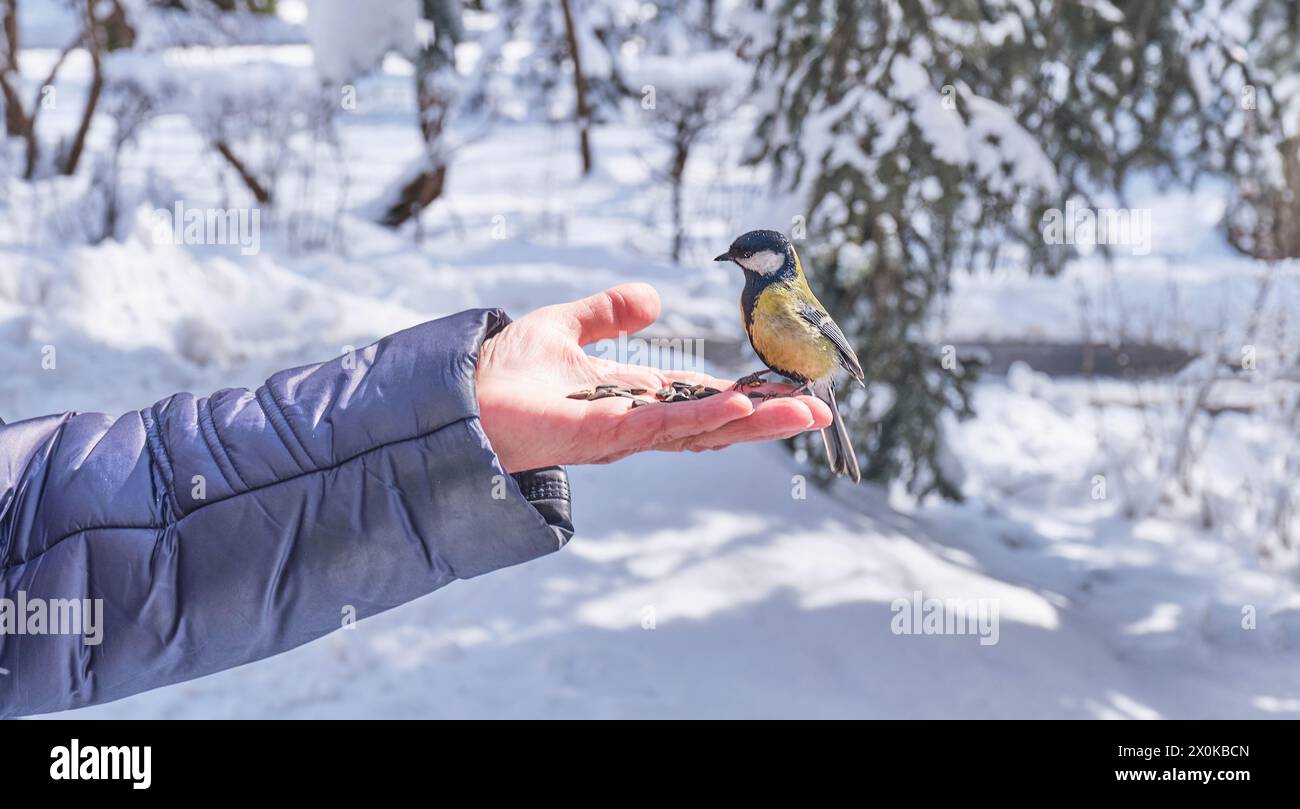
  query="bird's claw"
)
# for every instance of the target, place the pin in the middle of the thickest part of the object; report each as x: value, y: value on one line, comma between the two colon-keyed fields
x: 760, y: 396
x: 750, y: 381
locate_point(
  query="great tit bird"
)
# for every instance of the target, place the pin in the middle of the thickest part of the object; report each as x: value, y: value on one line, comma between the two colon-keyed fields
x: 792, y: 333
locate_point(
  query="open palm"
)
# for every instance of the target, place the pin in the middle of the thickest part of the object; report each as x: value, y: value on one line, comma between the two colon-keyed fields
x: 527, y: 369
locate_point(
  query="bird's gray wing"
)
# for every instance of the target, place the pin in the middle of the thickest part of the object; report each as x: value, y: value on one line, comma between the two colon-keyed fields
x: 828, y: 327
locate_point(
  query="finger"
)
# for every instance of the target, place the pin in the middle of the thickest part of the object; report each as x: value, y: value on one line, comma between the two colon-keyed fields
x: 821, y: 412
x: 646, y: 427
x: 624, y: 309
x: 652, y: 379
x: 772, y: 420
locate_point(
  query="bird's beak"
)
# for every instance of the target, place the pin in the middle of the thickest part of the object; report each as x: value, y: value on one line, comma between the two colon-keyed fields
x: 724, y: 257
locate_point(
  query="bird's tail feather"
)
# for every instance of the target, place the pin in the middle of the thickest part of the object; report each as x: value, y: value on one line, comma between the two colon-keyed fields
x: 839, y: 450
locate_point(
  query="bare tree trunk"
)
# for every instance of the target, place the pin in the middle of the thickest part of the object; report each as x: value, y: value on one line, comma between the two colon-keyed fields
x: 1286, y: 222
x: 579, y: 86
x: 258, y: 189
x: 20, y: 123
x: 422, y: 190
x: 677, y: 176
x: 29, y: 131
x: 415, y: 196
x: 435, y: 98
x: 15, y: 120
x: 92, y: 96
x: 118, y: 32
x: 1273, y: 231
x: 16, y: 124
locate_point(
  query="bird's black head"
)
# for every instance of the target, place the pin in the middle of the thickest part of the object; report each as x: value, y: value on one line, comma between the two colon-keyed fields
x: 759, y: 251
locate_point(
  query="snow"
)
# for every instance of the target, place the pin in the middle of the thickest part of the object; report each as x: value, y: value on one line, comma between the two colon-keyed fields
x: 764, y: 606
x: 686, y: 74
x: 699, y: 585
x: 1105, y: 10
x: 349, y: 38
x: 942, y: 127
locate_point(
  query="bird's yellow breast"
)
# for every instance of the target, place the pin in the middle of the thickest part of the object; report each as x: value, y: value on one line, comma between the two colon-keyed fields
x: 785, y: 340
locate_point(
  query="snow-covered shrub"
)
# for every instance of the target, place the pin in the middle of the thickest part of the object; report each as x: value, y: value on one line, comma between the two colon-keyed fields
x: 687, y: 79
x: 682, y: 96
x: 99, y: 28
x: 542, y: 66
x: 254, y: 124
x: 569, y: 62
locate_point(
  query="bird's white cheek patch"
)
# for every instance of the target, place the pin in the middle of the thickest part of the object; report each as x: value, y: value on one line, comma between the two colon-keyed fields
x: 763, y: 263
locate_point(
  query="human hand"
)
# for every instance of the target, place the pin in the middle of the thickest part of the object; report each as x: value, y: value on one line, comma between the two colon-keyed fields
x: 526, y: 370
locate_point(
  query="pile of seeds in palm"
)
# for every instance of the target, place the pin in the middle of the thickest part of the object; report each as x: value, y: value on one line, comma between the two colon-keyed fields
x: 676, y: 392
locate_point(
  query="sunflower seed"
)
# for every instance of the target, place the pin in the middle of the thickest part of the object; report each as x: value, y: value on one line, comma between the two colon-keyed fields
x: 674, y: 392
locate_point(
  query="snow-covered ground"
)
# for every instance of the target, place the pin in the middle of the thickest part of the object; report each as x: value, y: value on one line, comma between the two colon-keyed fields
x: 697, y: 585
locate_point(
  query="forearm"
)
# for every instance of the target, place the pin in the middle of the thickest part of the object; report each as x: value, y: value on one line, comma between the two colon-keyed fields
x: 222, y: 530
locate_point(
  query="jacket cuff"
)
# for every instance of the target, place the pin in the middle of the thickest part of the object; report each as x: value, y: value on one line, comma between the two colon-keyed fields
x: 545, y: 491
x: 548, y: 491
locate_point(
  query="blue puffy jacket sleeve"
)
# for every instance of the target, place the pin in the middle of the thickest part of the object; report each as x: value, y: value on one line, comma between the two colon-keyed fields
x: 211, y: 532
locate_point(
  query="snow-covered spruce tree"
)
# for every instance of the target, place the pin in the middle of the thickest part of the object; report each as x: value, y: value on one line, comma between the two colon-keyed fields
x: 923, y: 136
x: 905, y: 172
x: 1261, y: 54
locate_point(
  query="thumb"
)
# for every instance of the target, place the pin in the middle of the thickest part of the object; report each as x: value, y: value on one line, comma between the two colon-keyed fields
x: 627, y: 308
